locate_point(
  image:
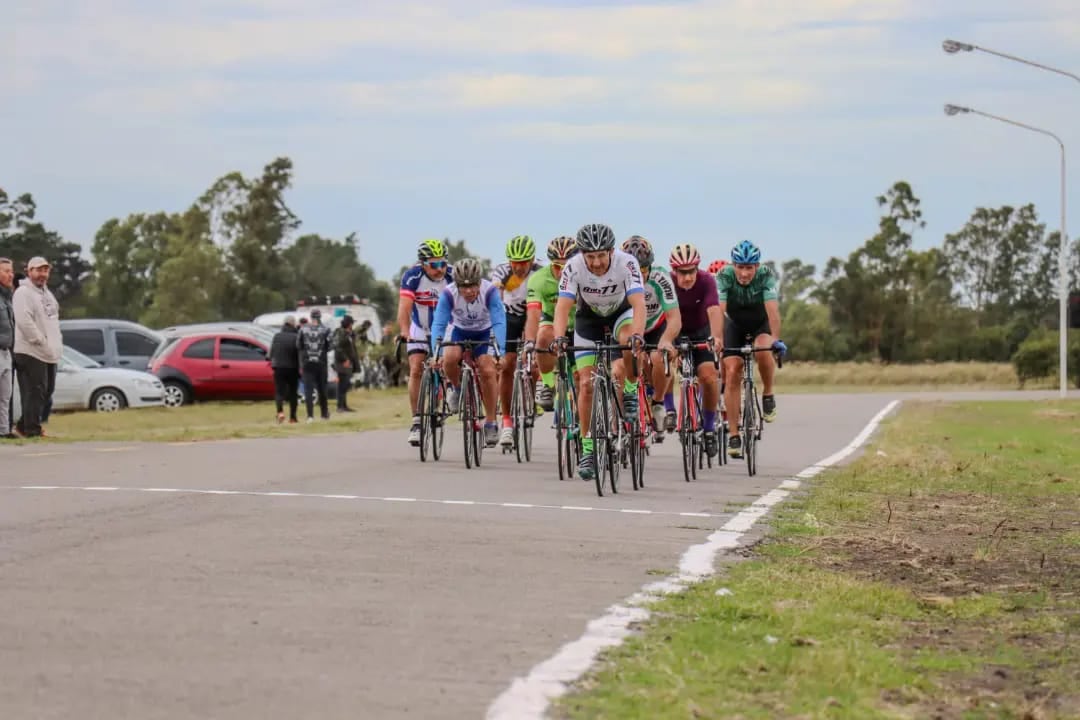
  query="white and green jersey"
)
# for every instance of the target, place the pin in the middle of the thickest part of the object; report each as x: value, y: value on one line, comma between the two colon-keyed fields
x: 659, y: 297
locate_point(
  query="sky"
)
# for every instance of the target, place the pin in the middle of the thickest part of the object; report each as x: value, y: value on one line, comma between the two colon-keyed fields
x: 778, y: 121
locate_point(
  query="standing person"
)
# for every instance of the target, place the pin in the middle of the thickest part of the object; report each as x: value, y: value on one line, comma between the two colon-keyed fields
x: 38, y: 344
x: 313, y: 342
x: 7, y: 345
x: 285, y: 361
x: 346, y: 359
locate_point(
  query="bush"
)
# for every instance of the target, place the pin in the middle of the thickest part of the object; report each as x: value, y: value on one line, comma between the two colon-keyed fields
x: 1037, y: 357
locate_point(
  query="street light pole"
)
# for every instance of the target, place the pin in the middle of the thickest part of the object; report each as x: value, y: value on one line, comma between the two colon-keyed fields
x: 954, y: 46
x: 1063, y: 285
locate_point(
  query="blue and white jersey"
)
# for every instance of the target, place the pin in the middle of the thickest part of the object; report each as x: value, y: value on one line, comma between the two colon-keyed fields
x: 424, y: 292
x: 486, y: 312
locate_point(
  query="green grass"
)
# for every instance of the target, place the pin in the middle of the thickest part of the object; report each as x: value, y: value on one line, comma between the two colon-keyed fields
x: 937, y: 575
x: 223, y: 420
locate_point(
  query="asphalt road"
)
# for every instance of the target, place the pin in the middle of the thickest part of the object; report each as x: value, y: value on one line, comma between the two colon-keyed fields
x: 417, y: 592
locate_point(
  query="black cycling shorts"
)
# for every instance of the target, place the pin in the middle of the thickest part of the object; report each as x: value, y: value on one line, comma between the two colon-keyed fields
x: 653, y: 336
x: 736, y: 333
x: 515, y: 330
x: 699, y: 356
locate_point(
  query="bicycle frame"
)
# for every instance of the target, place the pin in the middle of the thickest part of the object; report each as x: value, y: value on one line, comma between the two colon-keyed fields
x: 472, y: 396
x: 751, y: 429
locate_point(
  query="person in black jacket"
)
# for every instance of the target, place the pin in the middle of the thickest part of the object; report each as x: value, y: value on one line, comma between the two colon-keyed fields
x: 285, y: 360
x: 346, y: 361
x: 313, y: 342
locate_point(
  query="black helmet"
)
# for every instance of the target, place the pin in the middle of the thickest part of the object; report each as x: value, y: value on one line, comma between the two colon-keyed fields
x: 595, y: 237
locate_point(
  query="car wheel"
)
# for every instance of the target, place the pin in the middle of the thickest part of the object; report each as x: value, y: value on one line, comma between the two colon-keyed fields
x: 176, y: 394
x: 108, y: 400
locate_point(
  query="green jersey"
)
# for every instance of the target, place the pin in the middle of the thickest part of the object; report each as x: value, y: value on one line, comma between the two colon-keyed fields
x: 746, y: 298
x: 659, y: 297
x: 542, y: 293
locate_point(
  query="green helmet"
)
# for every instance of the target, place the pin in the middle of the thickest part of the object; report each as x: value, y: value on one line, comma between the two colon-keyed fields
x: 430, y: 249
x: 520, y: 248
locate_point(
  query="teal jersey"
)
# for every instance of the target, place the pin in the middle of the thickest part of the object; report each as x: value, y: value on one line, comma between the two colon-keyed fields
x: 762, y: 287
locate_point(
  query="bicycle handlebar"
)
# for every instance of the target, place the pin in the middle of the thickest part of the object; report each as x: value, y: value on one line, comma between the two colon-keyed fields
x: 746, y: 350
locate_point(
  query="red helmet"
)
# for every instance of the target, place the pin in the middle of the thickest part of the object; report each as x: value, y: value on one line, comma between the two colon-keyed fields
x: 716, y: 266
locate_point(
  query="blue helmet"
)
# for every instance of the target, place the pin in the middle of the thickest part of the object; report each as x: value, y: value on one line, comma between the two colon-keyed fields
x: 745, y: 253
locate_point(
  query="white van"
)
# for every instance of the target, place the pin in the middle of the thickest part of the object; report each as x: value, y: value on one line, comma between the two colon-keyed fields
x: 335, y: 307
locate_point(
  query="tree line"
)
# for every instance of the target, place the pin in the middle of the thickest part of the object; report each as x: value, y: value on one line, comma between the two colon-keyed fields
x: 237, y: 251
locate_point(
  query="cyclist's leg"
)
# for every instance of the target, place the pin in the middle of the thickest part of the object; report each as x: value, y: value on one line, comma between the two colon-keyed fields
x: 545, y: 363
x: 515, y: 326
x: 451, y: 363
x: 767, y: 367
x: 621, y: 366
x: 709, y: 380
x: 654, y: 374
x: 489, y: 386
x: 733, y: 370
x: 585, y: 362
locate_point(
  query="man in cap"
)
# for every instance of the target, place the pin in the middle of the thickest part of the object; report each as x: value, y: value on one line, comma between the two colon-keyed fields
x: 7, y: 345
x: 38, y: 344
x: 313, y: 342
x: 346, y: 360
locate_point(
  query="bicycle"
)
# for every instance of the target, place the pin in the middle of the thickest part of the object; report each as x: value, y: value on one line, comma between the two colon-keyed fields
x: 751, y: 430
x: 690, y: 422
x: 430, y: 404
x: 471, y: 404
x: 640, y: 434
x: 607, y: 425
x: 567, y: 427
x: 523, y: 407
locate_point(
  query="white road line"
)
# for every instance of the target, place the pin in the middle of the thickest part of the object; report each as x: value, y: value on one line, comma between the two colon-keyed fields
x: 365, y: 498
x: 113, y: 449
x: 529, y: 697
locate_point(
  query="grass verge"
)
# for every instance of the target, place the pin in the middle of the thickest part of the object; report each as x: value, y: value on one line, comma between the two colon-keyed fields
x: 922, y: 376
x: 938, y: 576
x: 222, y: 420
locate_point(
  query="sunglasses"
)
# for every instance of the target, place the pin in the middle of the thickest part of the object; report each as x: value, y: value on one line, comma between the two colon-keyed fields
x: 559, y: 265
x: 436, y: 264
x: 686, y: 271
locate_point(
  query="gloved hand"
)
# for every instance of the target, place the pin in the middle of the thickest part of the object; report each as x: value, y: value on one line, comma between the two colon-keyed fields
x: 528, y: 347
x: 780, y: 347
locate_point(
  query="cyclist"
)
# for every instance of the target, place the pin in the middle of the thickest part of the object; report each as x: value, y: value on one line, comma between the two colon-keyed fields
x: 472, y: 308
x: 605, y: 285
x: 716, y: 266
x: 749, y: 303
x: 701, y: 317
x: 511, y: 279
x: 419, y: 293
x: 540, y: 314
x: 662, y: 324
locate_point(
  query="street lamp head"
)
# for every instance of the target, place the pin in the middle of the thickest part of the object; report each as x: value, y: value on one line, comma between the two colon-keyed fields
x: 954, y: 109
x: 953, y: 46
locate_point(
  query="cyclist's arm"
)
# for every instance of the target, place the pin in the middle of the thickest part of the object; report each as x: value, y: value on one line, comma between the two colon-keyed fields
x: 497, y: 311
x: 404, y: 311
x: 637, y: 303
x: 674, y: 325
x: 534, y: 307
x: 717, y: 326
x: 441, y: 320
x: 568, y: 290
x: 771, y: 295
x: 772, y: 309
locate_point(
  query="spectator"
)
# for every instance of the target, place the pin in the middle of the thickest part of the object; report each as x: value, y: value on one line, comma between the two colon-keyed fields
x: 38, y: 344
x: 313, y: 342
x: 7, y: 345
x: 346, y: 361
x: 285, y: 361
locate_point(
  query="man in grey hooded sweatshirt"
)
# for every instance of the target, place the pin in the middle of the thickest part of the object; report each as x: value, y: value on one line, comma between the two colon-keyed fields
x: 7, y: 344
x: 38, y: 344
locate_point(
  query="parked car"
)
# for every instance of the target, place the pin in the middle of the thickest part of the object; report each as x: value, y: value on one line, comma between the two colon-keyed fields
x: 266, y: 335
x: 83, y: 383
x: 216, y: 366
x: 113, y: 343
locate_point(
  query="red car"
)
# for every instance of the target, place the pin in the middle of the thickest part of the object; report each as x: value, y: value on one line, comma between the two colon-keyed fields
x: 213, y: 366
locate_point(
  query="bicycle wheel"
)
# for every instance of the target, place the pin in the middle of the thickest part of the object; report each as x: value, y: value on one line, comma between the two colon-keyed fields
x: 749, y: 422
x: 616, y: 441
x: 686, y: 431
x: 573, y: 428
x: 528, y: 414
x: 468, y: 417
x: 423, y: 410
x: 644, y: 434
x: 478, y: 423
x: 562, y: 431
x: 515, y: 415
x: 437, y: 415
x: 600, y: 418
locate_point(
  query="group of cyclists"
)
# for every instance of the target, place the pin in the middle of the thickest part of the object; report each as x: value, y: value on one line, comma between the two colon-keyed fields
x: 590, y: 289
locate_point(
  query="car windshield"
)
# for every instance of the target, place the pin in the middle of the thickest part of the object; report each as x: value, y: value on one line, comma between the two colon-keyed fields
x: 77, y: 359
